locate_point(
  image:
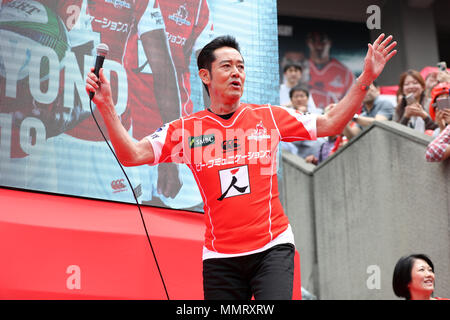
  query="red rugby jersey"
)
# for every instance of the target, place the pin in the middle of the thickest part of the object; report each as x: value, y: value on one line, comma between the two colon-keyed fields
x: 188, y: 28
x: 234, y: 164
x: 329, y: 84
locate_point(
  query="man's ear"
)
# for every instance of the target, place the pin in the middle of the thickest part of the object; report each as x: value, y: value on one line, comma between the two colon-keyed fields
x: 205, y: 76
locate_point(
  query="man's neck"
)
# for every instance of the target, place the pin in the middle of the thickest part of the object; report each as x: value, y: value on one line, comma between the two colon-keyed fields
x: 319, y: 60
x: 291, y: 84
x: 224, y: 108
x: 369, y: 106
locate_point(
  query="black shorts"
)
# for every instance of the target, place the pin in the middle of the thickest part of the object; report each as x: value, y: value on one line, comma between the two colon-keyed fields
x: 267, y: 275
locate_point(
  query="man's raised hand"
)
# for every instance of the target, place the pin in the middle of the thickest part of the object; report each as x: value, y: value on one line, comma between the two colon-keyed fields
x: 378, y: 54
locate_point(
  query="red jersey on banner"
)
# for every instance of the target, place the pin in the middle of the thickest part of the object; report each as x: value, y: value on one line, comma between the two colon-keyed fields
x: 188, y: 29
x: 329, y: 84
x: 114, y: 21
x: 234, y: 164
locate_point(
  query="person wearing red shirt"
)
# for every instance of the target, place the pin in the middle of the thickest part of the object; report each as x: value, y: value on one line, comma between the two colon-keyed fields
x: 329, y: 79
x: 231, y: 150
x: 188, y: 27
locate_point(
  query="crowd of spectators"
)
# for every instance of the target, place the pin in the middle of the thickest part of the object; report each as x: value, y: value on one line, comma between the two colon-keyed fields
x: 422, y: 104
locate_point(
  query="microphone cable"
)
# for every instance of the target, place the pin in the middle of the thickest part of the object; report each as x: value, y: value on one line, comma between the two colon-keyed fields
x: 135, y: 198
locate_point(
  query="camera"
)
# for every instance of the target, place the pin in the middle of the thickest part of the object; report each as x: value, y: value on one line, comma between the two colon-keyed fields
x: 442, y: 104
x: 442, y: 66
x: 410, y: 99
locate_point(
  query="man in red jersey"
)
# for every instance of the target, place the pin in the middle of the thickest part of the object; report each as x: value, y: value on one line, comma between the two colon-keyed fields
x: 231, y: 150
x: 329, y: 79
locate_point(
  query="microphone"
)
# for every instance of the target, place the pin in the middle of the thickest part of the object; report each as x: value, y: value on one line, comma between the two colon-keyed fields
x: 102, y: 51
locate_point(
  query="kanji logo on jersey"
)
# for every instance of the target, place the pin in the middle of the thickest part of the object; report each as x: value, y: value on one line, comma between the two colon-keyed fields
x: 234, y: 182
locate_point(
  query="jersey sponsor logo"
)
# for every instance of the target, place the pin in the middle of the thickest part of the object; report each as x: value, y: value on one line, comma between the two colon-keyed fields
x: 230, y: 145
x: 234, y: 182
x: 259, y: 133
x: 201, y: 141
x: 119, y: 4
x: 180, y: 17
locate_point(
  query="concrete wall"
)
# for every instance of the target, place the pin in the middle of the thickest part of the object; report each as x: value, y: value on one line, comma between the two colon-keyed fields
x: 375, y: 200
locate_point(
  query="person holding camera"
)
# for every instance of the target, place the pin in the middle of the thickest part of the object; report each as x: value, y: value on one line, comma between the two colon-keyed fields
x: 439, y: 148
x: 410, y: 111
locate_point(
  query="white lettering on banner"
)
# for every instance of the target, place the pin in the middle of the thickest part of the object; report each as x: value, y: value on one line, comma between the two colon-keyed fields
x: 122, y: 90
x: 14, y: 57
x: 5, y: 137
x: 31, y: 129
x: 74, y: 80
x: 175, y: 39
x: 37, y: 55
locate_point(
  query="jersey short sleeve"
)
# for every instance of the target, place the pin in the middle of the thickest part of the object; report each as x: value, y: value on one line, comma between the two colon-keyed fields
x: 293, y: 125
x: 167, y: 143
x: 151, y: 18
x: 204, y: 27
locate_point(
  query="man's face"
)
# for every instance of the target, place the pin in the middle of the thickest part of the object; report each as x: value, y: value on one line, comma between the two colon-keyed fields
x: 300, y: 100
x: 371, y: 94
x: 227, y: 77
x: 293, y: 75
x: 319, y: 43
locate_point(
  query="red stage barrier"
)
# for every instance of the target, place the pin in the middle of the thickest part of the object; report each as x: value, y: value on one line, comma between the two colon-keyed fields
x: 59, y: 247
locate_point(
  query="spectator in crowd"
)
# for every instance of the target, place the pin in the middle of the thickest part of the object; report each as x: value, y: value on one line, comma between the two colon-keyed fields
x: 374, y: 108
x: 326, y: 146
x: 299, y: 96
x: 292, y: 74
x: 431, y: 80
x: 413, y: 114
x: 292, y: 78
x: 439, y: 148
x: 414, y: 277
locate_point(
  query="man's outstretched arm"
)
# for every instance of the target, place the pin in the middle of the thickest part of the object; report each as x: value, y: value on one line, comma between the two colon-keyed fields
x: 129, y: 152
x: 378, y: 54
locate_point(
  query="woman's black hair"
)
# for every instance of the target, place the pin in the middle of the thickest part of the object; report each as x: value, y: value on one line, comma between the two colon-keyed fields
x: 402, y: 274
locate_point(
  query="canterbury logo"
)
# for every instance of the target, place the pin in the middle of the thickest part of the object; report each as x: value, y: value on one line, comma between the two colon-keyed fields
x: 118, y: 184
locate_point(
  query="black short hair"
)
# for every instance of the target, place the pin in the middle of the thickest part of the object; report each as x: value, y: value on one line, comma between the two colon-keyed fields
x: 292, y: 64
x: 206, y: 56
x: 298, y: 88
x: 402, y: 274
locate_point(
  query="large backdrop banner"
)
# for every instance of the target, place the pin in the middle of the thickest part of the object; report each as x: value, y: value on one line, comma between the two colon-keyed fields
x: 331, y: 54
x: 48, y: 139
